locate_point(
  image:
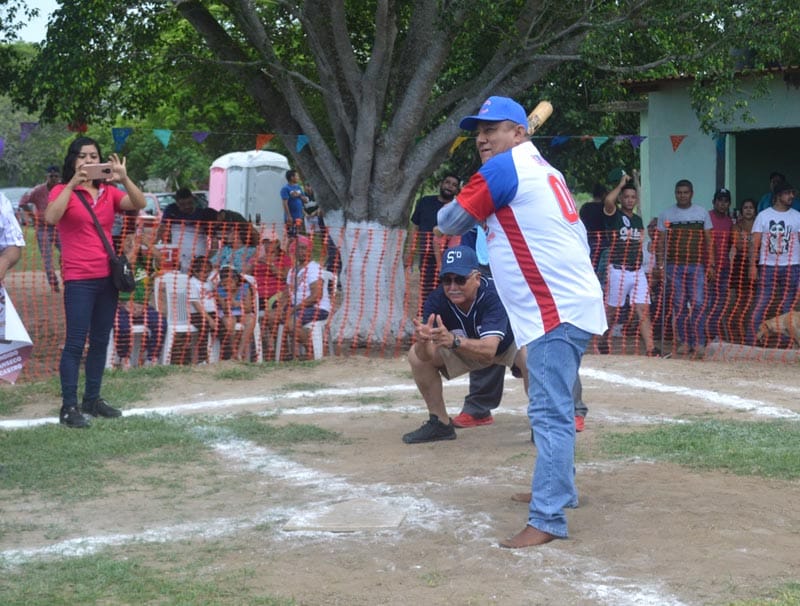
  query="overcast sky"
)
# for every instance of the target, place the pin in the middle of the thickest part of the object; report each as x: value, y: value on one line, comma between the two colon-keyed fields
x: 35, y: 30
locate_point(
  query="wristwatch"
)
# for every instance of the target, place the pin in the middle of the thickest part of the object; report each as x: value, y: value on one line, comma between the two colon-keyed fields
x: 456, y: 342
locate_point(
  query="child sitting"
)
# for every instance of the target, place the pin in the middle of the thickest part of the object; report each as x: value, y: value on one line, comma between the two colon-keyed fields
x: 203, y: 303
x: 235, y: 305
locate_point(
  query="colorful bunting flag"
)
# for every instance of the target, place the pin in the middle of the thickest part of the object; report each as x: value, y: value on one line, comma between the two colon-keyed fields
x: 120, y: 135
x: 163, y: 135
x: 636, y: 140
x: 25, y: 130
x: 2, y: 146
x: 262, y: 140
x: 560, y: 140
x: 598, y: 141
x: 676, y: 141
x: 199, y: 135
x: 77, y: 127
x: 302, y: 141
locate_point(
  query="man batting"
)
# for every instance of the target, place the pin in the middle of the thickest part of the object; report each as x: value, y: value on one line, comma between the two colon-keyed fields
x: 539, y: 258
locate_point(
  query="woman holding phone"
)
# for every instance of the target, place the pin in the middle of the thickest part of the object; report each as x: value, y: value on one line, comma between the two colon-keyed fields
x: 90, y: 297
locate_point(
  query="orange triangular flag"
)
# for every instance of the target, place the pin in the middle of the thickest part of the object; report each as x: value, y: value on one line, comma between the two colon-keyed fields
x: 676, y: 141
x: 262, y: 140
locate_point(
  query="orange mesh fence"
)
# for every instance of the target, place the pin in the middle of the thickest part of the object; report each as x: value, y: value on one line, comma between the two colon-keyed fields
x: 704, y: 307
x: 379, y: 279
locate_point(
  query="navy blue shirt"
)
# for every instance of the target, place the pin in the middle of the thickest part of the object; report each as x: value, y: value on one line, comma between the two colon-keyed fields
x: 424, y: 216
x: 486, y: 317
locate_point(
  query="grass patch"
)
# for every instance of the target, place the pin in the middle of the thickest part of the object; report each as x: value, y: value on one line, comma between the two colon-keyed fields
x: 264, y: 432
x: 100, y: 579
x: 788, y: 595
x: 14, y: 397
x: 767, y: 449
x: 119, y: 387
x: 243, y: 371
x: 70, y: 464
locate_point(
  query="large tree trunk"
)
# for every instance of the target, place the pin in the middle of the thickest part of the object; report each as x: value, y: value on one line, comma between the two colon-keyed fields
x: 373, y: 308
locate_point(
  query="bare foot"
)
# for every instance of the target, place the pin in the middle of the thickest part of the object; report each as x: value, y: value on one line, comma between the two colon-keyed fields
x: 522, y: 497
x: 528, y: 537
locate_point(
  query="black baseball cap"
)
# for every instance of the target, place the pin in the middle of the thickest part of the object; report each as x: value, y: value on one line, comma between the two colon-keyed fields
x: 722, y: 193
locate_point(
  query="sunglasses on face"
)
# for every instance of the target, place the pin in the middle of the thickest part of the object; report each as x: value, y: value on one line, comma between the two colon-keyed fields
x: 449, y: 279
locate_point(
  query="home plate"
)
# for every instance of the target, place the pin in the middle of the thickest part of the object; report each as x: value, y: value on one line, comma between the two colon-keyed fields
x: 349, y: 516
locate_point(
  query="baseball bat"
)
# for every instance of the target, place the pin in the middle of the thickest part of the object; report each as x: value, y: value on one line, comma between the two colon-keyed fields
x: 539, y: 115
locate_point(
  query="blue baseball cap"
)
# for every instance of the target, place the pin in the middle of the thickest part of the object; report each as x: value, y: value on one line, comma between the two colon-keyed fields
x: 459, y: 260
x: 497, y: 109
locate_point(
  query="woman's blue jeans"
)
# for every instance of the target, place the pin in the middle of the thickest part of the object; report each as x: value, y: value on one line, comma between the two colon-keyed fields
x: 553, y: 363
x: 89, y: 308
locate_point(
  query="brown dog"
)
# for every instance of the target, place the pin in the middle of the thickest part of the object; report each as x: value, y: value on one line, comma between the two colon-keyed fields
x: 787, y: 324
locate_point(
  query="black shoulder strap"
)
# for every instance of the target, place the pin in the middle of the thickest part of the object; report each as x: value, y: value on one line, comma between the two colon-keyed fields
x: 100, y: 231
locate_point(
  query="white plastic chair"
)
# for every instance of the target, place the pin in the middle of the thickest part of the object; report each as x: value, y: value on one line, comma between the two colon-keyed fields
x: 259, y: 349
x: 174, y: 286
x: 317, y: 327
x: 138, y: 332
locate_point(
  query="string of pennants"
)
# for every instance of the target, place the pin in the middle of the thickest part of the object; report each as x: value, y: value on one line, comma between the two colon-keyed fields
x: 598, y: 141
x: 164, y: 135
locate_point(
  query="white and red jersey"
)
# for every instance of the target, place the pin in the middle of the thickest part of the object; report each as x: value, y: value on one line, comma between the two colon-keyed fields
x: 538, y: 248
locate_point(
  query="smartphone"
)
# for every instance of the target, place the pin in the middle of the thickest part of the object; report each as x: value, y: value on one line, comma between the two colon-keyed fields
x: 97, y: 171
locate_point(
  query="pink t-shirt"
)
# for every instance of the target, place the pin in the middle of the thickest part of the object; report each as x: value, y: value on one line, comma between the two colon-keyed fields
x: 83, y: 255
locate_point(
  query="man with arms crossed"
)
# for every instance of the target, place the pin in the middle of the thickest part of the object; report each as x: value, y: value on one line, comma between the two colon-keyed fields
x: 689, y: 262
x: 540, y: 261
x: 464, y: 328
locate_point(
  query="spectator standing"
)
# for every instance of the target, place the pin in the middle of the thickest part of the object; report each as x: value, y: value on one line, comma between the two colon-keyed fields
x: 539, y: 256
x: 740, y: 271
x: 594, y: 220
x: 187, y: 225
x: 626, y: 272
x: 90, y: 297
x: 721, y: 234
x: 427, y: 243
x: 464, y: 328
x: 687, y: 263
x: 46, y: 235
x: 775, y: 179
x: 11, y: 238
x: 134, y: 307
x: 294, y: 200
x: 776, y: 251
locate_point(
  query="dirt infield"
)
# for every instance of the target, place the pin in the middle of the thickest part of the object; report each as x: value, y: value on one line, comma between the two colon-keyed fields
x: 645, y: 532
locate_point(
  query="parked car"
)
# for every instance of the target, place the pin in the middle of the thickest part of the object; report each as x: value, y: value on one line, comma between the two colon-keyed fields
x: 15, y: 195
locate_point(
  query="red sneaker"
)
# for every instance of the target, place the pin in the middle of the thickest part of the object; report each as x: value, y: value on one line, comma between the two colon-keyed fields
x: 580, y: 423
x: 467, y: 420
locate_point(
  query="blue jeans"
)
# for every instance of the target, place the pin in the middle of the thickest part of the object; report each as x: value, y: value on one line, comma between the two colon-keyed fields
x: 46, y: 237
x: 687, y: 285
x: 89, y: 308
x: 715, y: 305
x: 155, y: 324
x: 782, y: 282
x: 553, y: 363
